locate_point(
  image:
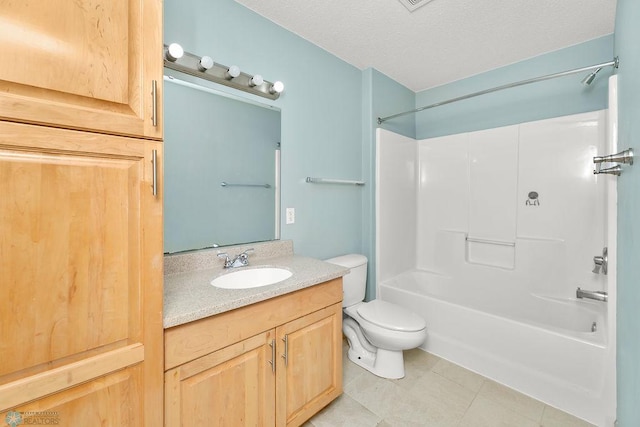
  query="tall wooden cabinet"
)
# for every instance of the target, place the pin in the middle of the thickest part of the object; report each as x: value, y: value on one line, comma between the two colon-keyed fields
x: 87, y: 64
x: 80, y: 225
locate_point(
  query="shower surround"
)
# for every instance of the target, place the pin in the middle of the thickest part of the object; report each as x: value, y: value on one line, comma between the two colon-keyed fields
x: 488, y: 234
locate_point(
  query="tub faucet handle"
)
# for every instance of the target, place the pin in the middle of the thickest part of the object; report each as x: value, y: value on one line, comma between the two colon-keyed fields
x: 598, y: 262
x: 601, y: 262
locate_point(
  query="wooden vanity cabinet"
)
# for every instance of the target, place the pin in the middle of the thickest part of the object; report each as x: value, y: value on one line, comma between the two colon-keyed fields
x: 273, y: 363
x: 88, y: 65
x: 81, y: 282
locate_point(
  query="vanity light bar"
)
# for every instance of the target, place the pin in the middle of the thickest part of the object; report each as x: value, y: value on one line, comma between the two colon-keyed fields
x: 205, y: 68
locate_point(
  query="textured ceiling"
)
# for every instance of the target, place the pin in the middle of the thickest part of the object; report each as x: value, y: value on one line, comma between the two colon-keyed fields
x: 444, y: 40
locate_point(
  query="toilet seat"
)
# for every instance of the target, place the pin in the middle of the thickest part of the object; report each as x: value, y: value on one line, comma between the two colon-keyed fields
x: 390, y: 316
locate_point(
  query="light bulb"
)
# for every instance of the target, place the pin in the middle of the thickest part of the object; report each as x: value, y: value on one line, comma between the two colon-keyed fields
x: 277, y: 87
x: 232, y: 72
x: 256, y: 80
x: 174, y: 51
x: 205, y: 63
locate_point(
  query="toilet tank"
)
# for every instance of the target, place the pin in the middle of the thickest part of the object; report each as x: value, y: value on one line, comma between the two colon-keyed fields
x: 355, y: 282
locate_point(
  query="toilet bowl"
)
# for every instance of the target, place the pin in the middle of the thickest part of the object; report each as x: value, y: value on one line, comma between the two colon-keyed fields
x: 387, y: 325
x: 377, y: 331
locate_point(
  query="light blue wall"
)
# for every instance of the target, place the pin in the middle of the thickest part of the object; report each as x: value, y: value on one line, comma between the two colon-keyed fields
x: 542, y: 100
x: 321, y: 115
x: 390, y: 97
x: 627, y: 37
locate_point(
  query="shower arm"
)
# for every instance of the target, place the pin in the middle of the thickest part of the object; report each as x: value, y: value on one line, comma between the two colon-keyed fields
x: 615, y: 63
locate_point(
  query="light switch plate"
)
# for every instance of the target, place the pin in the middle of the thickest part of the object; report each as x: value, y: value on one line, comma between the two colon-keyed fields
x: 291, y: 215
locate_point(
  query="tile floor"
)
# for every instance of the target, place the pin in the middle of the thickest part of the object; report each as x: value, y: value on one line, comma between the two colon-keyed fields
x: 434, y: 392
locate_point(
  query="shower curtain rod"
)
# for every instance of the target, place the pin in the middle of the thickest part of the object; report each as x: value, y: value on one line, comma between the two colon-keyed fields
x: 613, y: 63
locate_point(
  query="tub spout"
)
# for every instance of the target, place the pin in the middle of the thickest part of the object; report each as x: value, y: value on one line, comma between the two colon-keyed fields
x: 596, y: 295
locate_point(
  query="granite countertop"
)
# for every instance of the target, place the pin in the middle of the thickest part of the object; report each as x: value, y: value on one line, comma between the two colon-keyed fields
x: 189, y: 295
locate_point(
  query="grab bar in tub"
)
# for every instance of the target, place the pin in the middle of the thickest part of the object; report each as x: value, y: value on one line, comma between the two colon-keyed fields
x: 491, y: 242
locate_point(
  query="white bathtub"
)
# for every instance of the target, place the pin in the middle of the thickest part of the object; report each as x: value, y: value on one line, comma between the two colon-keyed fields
x: 544, y: 347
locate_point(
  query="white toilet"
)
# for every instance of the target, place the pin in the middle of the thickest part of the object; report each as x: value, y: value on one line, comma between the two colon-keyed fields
x: 377, y: 331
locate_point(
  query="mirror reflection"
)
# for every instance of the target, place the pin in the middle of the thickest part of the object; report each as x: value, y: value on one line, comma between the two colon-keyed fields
x: 220, y: 158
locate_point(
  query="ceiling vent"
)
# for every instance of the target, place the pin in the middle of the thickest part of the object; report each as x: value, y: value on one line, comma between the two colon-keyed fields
x: 412, y: 5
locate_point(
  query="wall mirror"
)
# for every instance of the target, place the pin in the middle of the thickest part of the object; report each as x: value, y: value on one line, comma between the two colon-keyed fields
x: 221, y: 167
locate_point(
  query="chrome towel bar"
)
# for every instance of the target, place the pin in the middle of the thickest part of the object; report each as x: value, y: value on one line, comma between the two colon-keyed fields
x: 226, y: 184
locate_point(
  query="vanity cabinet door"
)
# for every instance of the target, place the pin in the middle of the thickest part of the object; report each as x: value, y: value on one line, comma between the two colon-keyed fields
x: 86, y: 65
x: 234, y: 386
x: 81, y: 282
x: 309, y: 365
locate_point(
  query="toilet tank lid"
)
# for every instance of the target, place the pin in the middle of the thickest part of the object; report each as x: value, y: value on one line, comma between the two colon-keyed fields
x: 391, y: 316
x: 350, y: 261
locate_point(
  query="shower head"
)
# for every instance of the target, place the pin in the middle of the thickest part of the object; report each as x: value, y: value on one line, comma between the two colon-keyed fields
x: 590, y: 77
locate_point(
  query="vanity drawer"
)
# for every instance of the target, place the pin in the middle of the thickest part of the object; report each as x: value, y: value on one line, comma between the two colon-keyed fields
x: 187, y: 342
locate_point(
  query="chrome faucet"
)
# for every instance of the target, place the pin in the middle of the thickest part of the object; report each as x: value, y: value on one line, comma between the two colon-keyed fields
x: 596, y: 295
x: 601, y: 262
x: 241, y: 260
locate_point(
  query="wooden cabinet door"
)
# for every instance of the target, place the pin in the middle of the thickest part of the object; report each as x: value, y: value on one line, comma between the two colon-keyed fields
x: 310, y: 365
x: 234, y: 386
x: 81, y: 282
x: 82, y: 64
x: 109, y: 400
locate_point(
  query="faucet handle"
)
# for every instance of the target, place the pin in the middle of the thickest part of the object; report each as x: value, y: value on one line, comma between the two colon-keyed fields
x: 599, y: 262
x: 227, y: 261
x: 244, y: 256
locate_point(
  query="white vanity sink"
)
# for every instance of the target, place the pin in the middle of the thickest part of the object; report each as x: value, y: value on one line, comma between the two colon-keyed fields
x: 251, y: 278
